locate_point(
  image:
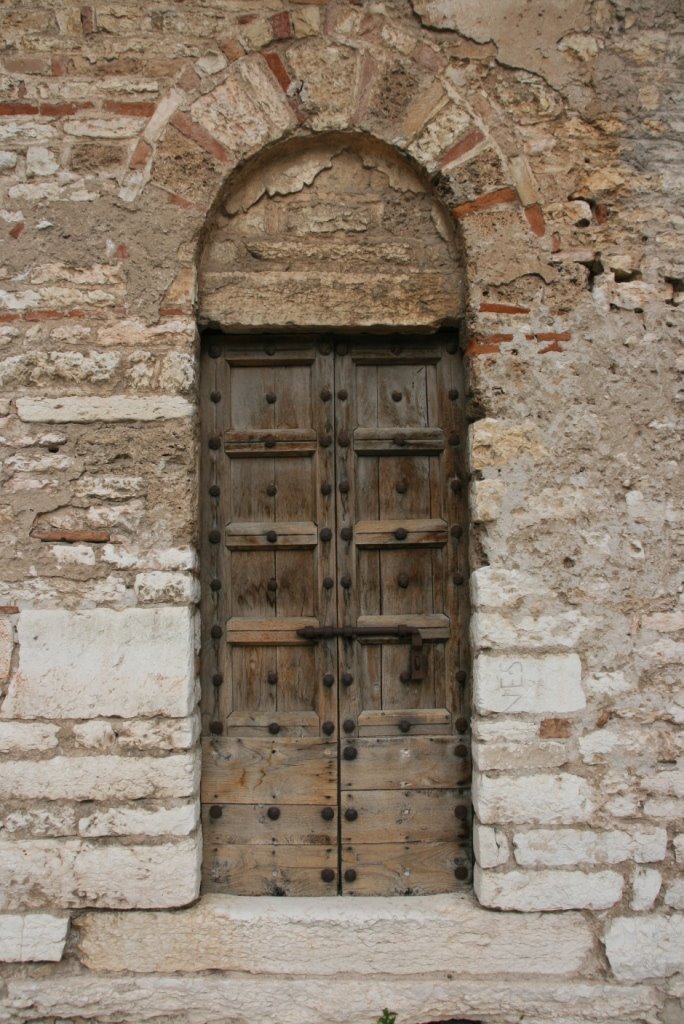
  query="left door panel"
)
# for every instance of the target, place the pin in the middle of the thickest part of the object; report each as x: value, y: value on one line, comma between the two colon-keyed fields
x: 270, y: 748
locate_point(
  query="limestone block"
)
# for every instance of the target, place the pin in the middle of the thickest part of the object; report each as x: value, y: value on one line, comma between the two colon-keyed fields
x: 547, y: 890
x: 141, y: 821
x: 26, y: 937
x: 525, y: 632
x: 532, y: 799
x: 295, y: 1000
x: 41, y: 820
x: 115, y: 408
x: 40, y: 162
x: 516, y: 683
x: 566, y: 846
x: 371, y: 937
x: 645, y: 947
x: 494, y: 587
x: 520, y: 754
x: 6, y: 648
x: 78, y: 873
x: 138, y: 734
x: 101, y: 777
x: 674, y: 894
x: 447, y: 126
x: 91, y: 663
x: 678, y: 844
x: 247, y: 110
x: 486, y: 500
x: 18, y: 736
x: 490, y: 846
x: 646, y: 884
x: 495, y: 443
x: 166, y: 588
x: 417, y: 299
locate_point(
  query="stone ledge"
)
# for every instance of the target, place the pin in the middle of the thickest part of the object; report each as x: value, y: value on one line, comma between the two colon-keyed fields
x: 315, y: 936
x: 343, y: 1000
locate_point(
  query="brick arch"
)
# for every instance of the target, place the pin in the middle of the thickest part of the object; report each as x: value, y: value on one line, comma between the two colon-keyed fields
x: 197, y: 140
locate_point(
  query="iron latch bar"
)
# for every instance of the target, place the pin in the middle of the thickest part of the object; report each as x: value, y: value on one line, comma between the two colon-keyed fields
x: 416, y: 662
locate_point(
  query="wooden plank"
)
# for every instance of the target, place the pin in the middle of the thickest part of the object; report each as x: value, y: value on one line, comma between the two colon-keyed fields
x: 411, y: 816
x: 403, y: 869
x: 418, y: 762
x: 269, y: 870
x: 432, y: 627
x: 398, y: 440
x: 300, y: 770
x: 267, y: 631
x: 413, y: 532
x: 267, y: 443
x: 381, y: 356
x: 257, y: 723
x: 250, y: 536
x: 430, y: 716
x: 249, y: 824
x: 402, y: 400
x: 283, y: 357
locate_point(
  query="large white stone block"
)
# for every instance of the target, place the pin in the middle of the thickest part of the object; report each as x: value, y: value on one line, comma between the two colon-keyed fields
x: 499, y: 442
x: 674, y: 894
x: 547, y: 890
x: 26, y: 937
x: 78, y: 873
x: 532, y: 799
x: 83, y: 664
x: 112, y: 409
x: 645, y: 947
x: 101, y: 777
x: 567, y: 846
x: 516, y: 683
x: 300, y: 936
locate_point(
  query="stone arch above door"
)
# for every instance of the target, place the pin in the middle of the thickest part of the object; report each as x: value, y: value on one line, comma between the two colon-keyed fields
x: 331, y: 232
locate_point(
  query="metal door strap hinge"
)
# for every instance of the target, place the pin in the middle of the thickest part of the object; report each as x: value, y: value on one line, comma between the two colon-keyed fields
x: 417, y: 667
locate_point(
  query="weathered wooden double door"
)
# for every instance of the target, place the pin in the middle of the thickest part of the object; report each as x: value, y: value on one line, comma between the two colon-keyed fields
x: 335, y: 748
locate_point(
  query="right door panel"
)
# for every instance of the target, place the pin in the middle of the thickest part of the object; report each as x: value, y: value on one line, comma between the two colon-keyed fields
x: 404, y: 766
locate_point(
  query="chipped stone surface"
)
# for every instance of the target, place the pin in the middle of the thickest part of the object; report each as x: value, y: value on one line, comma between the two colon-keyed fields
x: 26, y: 937
x: 645, y: 947
x: 88, y: 664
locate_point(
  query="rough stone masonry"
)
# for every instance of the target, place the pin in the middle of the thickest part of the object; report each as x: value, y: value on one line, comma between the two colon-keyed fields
x: 349, y: 164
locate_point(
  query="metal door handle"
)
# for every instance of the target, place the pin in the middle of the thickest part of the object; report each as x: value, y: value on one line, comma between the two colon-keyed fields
x: 416, y: 665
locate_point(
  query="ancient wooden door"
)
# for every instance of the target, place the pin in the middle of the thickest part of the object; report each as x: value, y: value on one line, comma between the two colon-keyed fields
x: 333, y: 650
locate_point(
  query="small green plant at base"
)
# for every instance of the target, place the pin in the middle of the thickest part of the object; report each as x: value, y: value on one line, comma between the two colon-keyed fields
x: 387, y: 1017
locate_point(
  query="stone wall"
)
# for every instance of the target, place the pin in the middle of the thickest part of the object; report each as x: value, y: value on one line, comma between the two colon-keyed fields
x: 540, y: 146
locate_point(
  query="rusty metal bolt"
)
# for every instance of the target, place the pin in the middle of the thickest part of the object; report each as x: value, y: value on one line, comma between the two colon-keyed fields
x: 327, y: 814
x: 351, y: 814
x: 273, y: 813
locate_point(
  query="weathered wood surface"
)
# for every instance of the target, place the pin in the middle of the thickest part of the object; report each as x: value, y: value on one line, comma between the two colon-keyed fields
x: 397, y: 869
x: 247, y: 770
